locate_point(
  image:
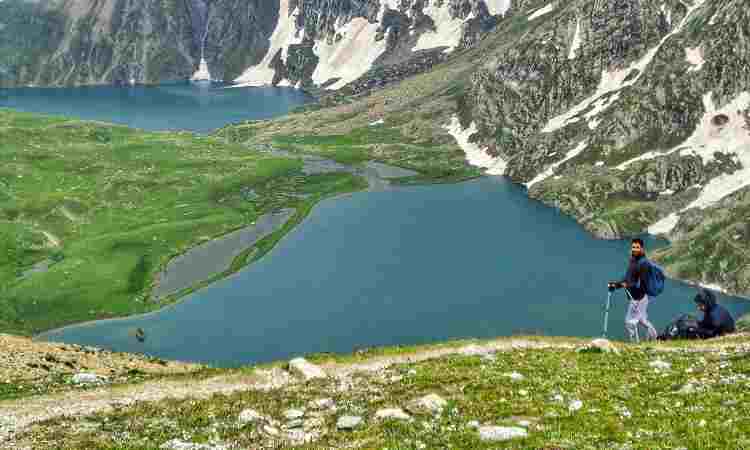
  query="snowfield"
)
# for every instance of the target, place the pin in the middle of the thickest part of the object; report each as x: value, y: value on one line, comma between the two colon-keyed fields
x: 475, y: 155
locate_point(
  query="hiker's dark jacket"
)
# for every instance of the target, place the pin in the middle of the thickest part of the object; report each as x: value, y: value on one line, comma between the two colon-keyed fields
x: 636, y: 277
x: 716, y: 319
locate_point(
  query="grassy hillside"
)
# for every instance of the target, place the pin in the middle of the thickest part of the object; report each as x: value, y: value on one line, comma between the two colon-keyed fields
x: 105, y: 207
x: 553, y: 391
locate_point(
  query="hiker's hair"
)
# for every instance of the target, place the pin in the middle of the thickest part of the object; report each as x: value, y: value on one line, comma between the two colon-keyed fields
x: 638, y: 241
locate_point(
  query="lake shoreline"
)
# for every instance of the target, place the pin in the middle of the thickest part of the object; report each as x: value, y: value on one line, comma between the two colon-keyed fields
x: 175, y: 298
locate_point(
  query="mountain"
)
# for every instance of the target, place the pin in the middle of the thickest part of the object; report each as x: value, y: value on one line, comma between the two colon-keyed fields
x: 306, y: 42
x: 629, y: 115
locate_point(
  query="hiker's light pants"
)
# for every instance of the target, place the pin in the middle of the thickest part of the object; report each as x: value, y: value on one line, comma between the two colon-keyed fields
x: 638, y: 314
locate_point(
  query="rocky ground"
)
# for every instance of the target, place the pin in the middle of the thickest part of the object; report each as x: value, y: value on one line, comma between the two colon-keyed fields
x: 509, y: 393
x: 31, y: 368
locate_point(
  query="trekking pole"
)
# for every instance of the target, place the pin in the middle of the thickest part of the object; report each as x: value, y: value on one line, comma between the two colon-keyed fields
x: 606, y: 313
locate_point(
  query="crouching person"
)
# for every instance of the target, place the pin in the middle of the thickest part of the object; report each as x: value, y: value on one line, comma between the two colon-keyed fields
x: 716, y: 319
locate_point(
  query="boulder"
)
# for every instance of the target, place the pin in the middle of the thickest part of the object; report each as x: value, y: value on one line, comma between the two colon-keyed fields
x: 306, y: 369
x: 495, y: 433
x: 431, y: 403
x: 348, y: 422
x: 392, y: 413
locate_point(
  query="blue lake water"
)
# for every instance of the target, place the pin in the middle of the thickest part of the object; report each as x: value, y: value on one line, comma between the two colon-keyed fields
x: 175, y: 106
x: 404, y: 266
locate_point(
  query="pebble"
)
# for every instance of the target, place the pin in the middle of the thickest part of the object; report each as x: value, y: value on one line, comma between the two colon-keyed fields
x: 515, y: 376
x: 575, y: 405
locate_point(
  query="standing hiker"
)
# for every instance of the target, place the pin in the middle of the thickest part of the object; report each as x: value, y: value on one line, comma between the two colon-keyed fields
x: 636, y: 283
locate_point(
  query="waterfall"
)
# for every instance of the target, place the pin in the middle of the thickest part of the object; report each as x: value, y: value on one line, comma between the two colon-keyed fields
x: 202, y: 74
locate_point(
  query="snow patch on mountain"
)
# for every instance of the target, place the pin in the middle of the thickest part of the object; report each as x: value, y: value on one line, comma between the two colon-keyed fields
x: 475, y: 155
x: 723, y: 130
x: 542, y: 11
x: 576, y: 44
x: 284, y: 35
x: 352, y: 56
x: 447, y: 31
x: 551, y: 169
x: 496, y: 7
x: 694, y: 56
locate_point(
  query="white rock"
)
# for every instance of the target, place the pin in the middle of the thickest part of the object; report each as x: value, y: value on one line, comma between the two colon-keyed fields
x: 524, y: 423
x: 348, y: 422
x: 432, y: 403
x: 323, y: 403
x: 87, y: 378
x: 493, y: 433
x: 306, y: 369
x: 392, y: 413
x: 291, y: 414
x: 473, y: 424
x: 250, y: 416
x: 515, y: 376
x: 557, y: 398
x: 575, y: 405
x: 660, y: 365
x: 270, y: 430
x: 176, y: 444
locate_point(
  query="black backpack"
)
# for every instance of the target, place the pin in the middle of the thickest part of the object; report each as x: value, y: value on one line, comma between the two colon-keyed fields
x: 683, y: 327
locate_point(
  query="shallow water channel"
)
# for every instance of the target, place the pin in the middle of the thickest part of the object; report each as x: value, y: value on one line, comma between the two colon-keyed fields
x: 399, y: 266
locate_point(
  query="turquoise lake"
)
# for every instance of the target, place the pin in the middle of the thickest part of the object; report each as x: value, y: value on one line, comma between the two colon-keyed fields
x: 175, y: 106
x: 405, y: 266
x: 400, y: 266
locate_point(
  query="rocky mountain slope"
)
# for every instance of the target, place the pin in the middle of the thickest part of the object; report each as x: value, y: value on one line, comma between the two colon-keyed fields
x: 298, y: 42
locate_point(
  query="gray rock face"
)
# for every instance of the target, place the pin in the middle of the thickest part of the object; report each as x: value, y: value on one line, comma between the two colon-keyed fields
x: 146, y: 41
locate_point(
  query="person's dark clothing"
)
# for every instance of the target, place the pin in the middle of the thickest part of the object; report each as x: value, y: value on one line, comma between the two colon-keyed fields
x: 636, y: 277
x: 717, y: 321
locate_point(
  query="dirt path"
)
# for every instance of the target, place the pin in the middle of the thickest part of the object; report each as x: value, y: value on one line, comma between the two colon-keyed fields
x: 15, y: 416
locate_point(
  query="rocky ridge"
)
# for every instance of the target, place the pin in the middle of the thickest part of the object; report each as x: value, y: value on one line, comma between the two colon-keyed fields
x: 289, y: 42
